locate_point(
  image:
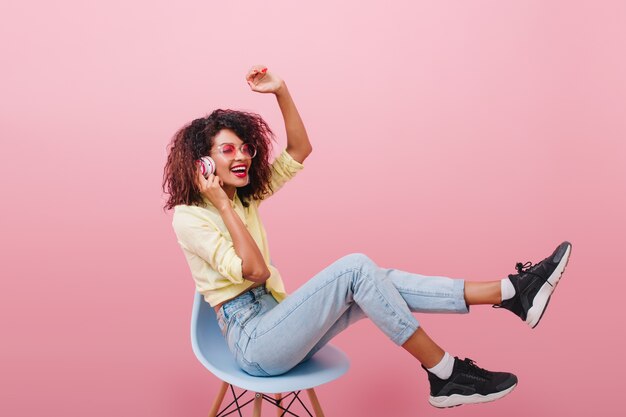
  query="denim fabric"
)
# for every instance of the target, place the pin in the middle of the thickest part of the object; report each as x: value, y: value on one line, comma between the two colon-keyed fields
x: 269, y: 338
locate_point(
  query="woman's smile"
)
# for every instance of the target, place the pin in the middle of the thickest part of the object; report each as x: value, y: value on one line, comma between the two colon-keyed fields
x: 239, y: 171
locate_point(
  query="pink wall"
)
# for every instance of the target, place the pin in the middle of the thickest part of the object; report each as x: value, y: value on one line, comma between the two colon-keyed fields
x: 468, y: 135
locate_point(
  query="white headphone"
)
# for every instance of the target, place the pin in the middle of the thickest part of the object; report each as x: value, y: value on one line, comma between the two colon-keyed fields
x: 207, y: 165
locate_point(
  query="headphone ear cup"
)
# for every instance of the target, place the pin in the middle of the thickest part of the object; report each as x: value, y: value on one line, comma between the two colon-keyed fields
x: 212, y: 163
x: 207, y: 165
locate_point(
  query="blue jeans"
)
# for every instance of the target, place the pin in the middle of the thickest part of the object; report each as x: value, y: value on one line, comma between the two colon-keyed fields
x: 269, y: 338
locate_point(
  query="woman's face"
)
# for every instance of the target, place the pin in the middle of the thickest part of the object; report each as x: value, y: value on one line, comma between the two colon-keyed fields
x: 224, y: 164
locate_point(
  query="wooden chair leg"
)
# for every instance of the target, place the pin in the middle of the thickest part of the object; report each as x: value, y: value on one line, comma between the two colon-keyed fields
x: 317, y: 408
x: 258, y: 402
x: 218, y: 400
x: 278, y: 398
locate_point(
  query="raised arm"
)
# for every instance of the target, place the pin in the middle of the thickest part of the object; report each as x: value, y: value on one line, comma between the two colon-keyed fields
x: 298, y: 144
x: 263, y: 81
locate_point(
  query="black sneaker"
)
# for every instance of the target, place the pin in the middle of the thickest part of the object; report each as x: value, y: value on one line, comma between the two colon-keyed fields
x: 468, y: 384
x: 534, y: 285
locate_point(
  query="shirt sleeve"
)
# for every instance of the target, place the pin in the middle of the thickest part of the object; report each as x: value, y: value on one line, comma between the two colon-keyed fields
x: 207, y: 241
x: 283, y: 169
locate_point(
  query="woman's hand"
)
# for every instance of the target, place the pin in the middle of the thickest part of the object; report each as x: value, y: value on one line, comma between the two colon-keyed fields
x: 212, y: 189
x: 262, y: 81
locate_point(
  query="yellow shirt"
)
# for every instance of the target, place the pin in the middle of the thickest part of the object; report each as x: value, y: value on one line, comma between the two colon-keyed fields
x: 208, y: 247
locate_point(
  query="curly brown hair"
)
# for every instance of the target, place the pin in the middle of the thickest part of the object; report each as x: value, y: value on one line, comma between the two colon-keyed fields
x: 195, y: 140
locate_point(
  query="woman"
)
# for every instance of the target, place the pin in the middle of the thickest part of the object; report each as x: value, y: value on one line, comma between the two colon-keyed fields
x: 217, y: 224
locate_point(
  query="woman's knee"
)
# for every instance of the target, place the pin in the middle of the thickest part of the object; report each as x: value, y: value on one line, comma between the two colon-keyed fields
x: 359, y: 260
x: 361, y: 265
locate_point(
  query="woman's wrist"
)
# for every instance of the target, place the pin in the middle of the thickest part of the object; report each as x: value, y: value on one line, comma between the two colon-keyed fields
x: 224, y: 207
x: 281, y: 90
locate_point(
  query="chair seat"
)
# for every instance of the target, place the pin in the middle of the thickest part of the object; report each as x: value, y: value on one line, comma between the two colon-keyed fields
x: 210, y: 347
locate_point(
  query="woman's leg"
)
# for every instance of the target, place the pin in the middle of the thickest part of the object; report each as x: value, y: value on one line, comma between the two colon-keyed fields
x: 281, y: 335
x: 424, y: 294
x: 327, y: 304
x: 475, y: 293
x: 488, y: 292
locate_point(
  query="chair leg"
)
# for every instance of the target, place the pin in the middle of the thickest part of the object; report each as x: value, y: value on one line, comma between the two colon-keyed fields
x: 317, y: 408
x: 258, y: 402
x: 278, y: 398
x: 218, y: 400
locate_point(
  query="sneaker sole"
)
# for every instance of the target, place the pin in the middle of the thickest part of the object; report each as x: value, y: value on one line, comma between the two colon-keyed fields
x: 542, y: 298
x: 455, y: 400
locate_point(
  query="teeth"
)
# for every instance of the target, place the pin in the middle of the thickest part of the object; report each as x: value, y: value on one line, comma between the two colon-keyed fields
x: 238, y: 169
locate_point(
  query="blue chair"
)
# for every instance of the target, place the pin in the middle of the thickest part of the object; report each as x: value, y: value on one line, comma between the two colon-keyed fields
x: 209, y: 346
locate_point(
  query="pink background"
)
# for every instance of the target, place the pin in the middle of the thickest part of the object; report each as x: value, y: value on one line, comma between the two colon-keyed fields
x: 450, y: 138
